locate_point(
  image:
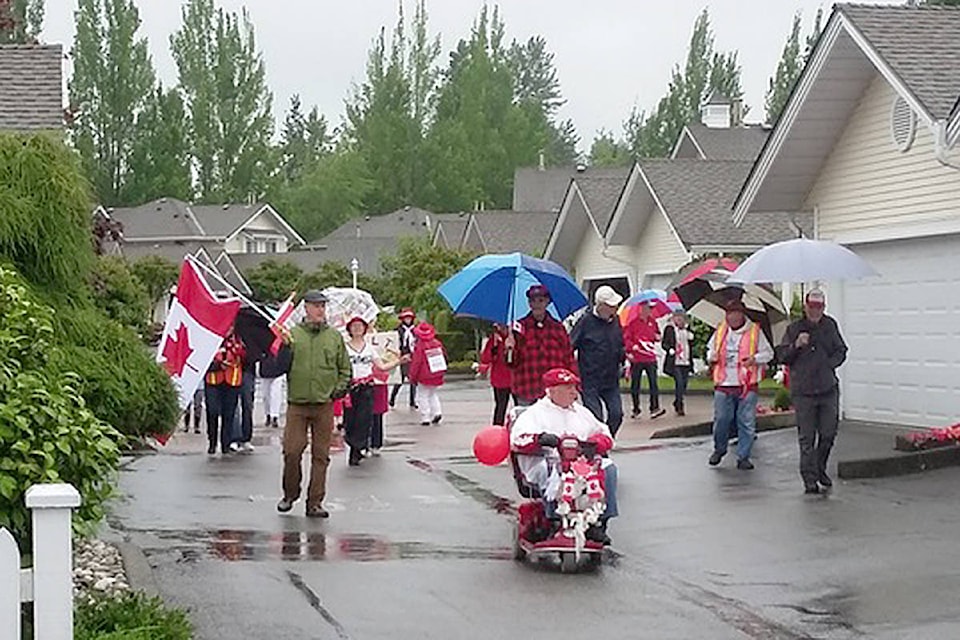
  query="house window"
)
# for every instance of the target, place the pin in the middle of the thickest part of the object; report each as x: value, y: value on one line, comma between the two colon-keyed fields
x: 271, y: 246
x: 251, y: 246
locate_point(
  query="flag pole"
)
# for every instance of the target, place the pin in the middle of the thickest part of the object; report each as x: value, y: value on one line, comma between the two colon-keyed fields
x: 213, y: 272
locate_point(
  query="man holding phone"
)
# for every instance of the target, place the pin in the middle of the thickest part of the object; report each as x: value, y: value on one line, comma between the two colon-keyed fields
x: 813, y: 349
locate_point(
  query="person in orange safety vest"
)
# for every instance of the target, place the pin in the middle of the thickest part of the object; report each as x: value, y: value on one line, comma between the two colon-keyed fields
x: 736, y: 353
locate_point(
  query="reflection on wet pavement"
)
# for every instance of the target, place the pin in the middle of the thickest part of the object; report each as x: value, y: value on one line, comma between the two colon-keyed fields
x: 246, y: 545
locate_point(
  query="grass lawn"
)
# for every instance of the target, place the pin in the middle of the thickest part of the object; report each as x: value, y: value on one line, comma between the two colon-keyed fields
x: 699, y: 383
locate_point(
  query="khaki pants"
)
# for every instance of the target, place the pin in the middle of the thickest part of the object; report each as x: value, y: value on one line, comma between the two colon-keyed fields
x: 318, y: 420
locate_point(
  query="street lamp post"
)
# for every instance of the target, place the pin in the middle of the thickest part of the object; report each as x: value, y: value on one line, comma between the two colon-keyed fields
x: 354, y: 269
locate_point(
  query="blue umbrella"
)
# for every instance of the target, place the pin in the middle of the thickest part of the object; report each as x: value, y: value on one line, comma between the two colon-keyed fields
x: 494, y: 288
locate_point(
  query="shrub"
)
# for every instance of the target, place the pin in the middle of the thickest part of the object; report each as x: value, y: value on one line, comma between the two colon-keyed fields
x: 121, y: 382
x: 47, y: 433
x: 119, y: 294
x: 273, y: 280
x: 781, y: 400
x: 157, y: 275
x: 132, y: 616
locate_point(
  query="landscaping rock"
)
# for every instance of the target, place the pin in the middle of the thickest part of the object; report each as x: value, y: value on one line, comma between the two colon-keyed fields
x: 97, y: 569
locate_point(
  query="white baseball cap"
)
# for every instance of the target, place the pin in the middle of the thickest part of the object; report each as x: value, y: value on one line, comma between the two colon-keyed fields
x: 606, y: 295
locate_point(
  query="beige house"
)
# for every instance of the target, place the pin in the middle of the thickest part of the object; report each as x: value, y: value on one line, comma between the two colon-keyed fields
x: 635, y: 229
x: 867, y: 145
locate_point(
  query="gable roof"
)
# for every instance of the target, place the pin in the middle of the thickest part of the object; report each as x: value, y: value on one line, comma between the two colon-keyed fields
x: 408, y: 221
x: 697, y: 195
x: 912, y: 48
x: 451, y: 226
x: 31, y: 87
x: 509, y: 231
x: 920, y: 44
x: 601, y: 189
x: 536, y: 189
x: 742, y: 143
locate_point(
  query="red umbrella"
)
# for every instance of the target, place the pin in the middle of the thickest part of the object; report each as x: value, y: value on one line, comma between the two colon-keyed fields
x: 704, y: 268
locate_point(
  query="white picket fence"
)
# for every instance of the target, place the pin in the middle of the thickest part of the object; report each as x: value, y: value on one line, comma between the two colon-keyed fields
x: 49, y: 584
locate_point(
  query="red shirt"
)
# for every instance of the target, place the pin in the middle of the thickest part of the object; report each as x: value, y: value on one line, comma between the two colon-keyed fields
x: 493, y: 358
x: 641, y: 339
x: 419, y: 366
x: 541, y: 346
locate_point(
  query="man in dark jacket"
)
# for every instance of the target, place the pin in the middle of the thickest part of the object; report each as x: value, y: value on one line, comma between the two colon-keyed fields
x: 598, y: 340
x: 813, y: 348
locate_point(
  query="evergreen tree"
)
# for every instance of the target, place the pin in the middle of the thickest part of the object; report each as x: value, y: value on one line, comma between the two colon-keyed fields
x: 705, y: 71
x: 792, y: 62
x: 304, y: 140
x: 223, y: 81
x: 20, y: 21
x: 112, y: 81
x: 160, y: 157
x: 607, y: 151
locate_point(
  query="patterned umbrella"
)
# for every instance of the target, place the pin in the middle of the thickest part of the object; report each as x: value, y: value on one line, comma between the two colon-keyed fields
x: 704, y: 298
x: 630, y: 309
x: 344, y: 304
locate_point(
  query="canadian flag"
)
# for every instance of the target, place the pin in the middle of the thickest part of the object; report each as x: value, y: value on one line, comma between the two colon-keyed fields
x: 196, y: 326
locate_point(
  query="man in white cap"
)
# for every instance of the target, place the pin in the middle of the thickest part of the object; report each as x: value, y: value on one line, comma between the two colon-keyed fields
x: 598, y: 341
x: 813, y: 349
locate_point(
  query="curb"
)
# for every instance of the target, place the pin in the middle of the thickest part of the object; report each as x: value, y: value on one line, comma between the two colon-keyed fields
x: 764, y: 423
x: 900, y: 464
x: 137, y: 569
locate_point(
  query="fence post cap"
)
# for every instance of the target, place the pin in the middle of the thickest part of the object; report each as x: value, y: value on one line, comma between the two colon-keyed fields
x: 52, y: 496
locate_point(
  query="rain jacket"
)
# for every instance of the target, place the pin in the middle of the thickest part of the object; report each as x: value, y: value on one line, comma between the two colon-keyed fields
x: 427, y: 344
x: 320, y: 368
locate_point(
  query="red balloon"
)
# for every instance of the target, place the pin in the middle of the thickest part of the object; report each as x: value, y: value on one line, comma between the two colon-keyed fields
x: 491, y: 445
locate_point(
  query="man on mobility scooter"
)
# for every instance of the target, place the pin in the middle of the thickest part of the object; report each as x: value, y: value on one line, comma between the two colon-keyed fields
x: 540, y: 439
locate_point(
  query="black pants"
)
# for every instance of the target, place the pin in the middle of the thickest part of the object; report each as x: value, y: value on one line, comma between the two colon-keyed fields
x: 817, y: 421
x: 501, y: 398
x: 358, y: 418
x: 404, y: 376
x: 681, y: 375
x: 221, y: 401
x: 637, y: 369
x: 376, y: 432
x: 607, y: 398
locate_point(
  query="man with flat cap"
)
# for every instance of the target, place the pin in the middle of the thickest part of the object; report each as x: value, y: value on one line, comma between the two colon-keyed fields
x: 736, y: 354
x: 813, y: 349
x: 320, y: 372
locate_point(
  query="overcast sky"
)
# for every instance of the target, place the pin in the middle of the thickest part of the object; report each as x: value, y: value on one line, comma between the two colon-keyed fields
x: 610, y: 54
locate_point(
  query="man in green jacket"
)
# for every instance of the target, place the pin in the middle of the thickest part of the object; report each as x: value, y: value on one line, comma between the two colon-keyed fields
x: 319, y: 373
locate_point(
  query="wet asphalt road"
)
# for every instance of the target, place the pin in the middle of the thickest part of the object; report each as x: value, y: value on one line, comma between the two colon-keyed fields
x: 419, y: 548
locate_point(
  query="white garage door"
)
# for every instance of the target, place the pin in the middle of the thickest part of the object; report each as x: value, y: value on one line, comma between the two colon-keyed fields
x: 903, y: 330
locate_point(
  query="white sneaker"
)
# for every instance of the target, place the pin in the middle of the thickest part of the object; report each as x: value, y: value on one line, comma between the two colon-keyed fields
x: 375, y: 452
x: 234, y: 447
x: 246, y: 447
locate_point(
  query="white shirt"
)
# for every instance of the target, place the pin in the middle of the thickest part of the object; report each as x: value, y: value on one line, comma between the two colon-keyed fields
x: 731, y: 359
x: 361, y: 361
x: 546, y: 417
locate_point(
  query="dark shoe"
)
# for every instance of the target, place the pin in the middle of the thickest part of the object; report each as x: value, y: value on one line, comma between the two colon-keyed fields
x: 681, y: 412
x: 284, y: 505
x: 425, y: 424
x: 212, y: 450
x: 197, y: 431
x: 635, y: 414
x: 317, y: 512
x: 715, y: 458
x: 745, y: 465
x: 657, y: 413
x: 811, y: 489
x: 598, y: 534
x: 436, y: 419
x: 825, y: 480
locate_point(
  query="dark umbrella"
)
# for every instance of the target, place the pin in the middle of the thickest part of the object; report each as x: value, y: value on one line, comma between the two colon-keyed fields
x: 252, y: 327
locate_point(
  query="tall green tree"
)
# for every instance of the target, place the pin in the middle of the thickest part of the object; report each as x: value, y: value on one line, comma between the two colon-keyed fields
x: 159, y: 163
x: 20, y: 21
x: 607, y: 151
x: 704, y: 71
x: 112, y: 82
x: 791, y: 65
x: 303, y: 141
x: 223, y: 81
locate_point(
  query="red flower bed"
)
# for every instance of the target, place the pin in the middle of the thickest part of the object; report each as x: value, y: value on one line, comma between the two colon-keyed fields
x: 929, y: 439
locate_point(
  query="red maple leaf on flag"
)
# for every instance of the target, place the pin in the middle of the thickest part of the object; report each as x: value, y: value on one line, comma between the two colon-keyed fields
x: 177, y: 351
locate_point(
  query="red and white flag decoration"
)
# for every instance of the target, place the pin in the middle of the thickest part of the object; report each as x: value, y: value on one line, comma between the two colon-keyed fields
x: 287, y: 317
x: 196, y: 326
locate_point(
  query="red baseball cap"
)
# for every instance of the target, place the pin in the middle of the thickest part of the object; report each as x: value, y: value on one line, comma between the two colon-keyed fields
x: 407, y: 312
x: 538, y: 290
x: 559, y: 376
x: 815, y: 298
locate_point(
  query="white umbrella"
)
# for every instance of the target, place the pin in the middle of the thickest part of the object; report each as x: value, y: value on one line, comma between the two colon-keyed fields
x: 802, y: 260
x: 344, y: 304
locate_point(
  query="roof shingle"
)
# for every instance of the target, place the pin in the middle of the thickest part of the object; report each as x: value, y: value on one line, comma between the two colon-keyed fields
x: 510, y: 231
x: 697, y: 197
x: 920, y: 44
x: 733, y: 143
x: 31, y: 87
x: 601, y: 189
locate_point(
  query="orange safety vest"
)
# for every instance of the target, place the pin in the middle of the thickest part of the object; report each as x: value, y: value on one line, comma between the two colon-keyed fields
x: 748, y: 376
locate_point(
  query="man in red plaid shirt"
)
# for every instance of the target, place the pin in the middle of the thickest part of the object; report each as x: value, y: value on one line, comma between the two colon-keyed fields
x: 537, y: 344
